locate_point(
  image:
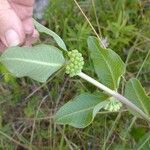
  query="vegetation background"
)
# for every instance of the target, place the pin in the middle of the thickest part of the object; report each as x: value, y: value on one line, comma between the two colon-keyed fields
x: 27, y: 107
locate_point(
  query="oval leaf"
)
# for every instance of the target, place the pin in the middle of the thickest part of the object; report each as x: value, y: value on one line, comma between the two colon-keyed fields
x: 81, y: 111
x: 108, y: 65
x: 137, y: 95
x: 45, y: 30
x: 38, y: 62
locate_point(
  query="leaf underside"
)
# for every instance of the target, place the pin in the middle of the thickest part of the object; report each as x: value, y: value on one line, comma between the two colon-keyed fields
x: 107, y: 64
x: 38, y: 62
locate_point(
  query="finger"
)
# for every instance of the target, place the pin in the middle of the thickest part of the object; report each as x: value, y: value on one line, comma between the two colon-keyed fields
x: 22, y: 11
x: 4, y: 4
x: 25, y: 13
x: 24, y: 2
x: 28, y: 26
x: 11, y: 29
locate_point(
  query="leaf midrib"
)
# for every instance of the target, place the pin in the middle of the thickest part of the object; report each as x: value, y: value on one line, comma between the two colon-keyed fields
x: 109, y: 68
x: 32, y: 61
x: 75, y: 112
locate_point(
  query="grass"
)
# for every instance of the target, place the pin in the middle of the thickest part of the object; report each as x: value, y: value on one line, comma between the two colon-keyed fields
x: 27, y: 107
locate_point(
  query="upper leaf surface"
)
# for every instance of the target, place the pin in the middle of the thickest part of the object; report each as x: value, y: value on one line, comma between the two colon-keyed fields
x: 38, y: 62
x: 80, y: 111
x: 108, y: 65
x: 136, y: 93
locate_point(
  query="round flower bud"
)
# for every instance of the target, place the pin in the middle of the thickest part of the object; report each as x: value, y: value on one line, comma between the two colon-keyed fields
x: 113, y: 105
x: 75, y: 63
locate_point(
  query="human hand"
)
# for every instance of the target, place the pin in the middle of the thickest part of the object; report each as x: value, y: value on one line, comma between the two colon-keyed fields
x: 16, y: 26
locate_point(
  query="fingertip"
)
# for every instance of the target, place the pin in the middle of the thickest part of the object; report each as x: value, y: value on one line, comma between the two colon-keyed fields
x: 28, y: 26
x: 12, y: 38
x: 11, y: 28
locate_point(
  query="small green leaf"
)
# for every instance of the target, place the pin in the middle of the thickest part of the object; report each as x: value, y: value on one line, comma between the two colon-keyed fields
x: 45, y: 30
x: 80, y: 111
x: 108, y: 65
x: 38, y: 62
x: 137, y: 95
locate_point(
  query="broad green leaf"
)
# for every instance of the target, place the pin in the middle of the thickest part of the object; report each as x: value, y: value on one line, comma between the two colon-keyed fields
x: 45, y: 30
x: 108, y: 65
x: 80, y: 111
x: 38, y: 62
x: 137, y: 95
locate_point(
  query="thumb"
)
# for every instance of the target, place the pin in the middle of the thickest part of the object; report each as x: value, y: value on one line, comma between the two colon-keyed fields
x: 11, y: 30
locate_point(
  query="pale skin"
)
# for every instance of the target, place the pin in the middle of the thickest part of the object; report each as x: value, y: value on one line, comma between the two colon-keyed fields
x: 16, y: 25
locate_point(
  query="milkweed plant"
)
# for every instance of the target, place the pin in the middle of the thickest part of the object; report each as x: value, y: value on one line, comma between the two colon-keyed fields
x: 41, y: 61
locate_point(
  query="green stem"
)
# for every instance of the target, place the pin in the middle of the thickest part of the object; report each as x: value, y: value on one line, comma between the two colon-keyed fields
x: 114, y: 94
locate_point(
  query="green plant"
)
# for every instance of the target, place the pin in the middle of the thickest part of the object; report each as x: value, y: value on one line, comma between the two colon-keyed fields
x: 41, y: 61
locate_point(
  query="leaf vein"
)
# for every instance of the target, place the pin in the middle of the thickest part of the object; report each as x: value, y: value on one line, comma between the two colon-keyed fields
x: 32, y: 61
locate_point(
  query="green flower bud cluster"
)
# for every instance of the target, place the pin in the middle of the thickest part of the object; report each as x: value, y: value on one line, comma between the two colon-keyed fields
x: 75, y: 63
x: 113, y: 105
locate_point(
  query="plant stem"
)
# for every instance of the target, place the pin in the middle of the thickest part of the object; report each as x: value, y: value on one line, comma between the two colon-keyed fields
x: 114, y: 94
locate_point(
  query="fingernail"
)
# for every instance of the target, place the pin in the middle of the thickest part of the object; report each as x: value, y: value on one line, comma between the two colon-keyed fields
x: 12, y: 38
